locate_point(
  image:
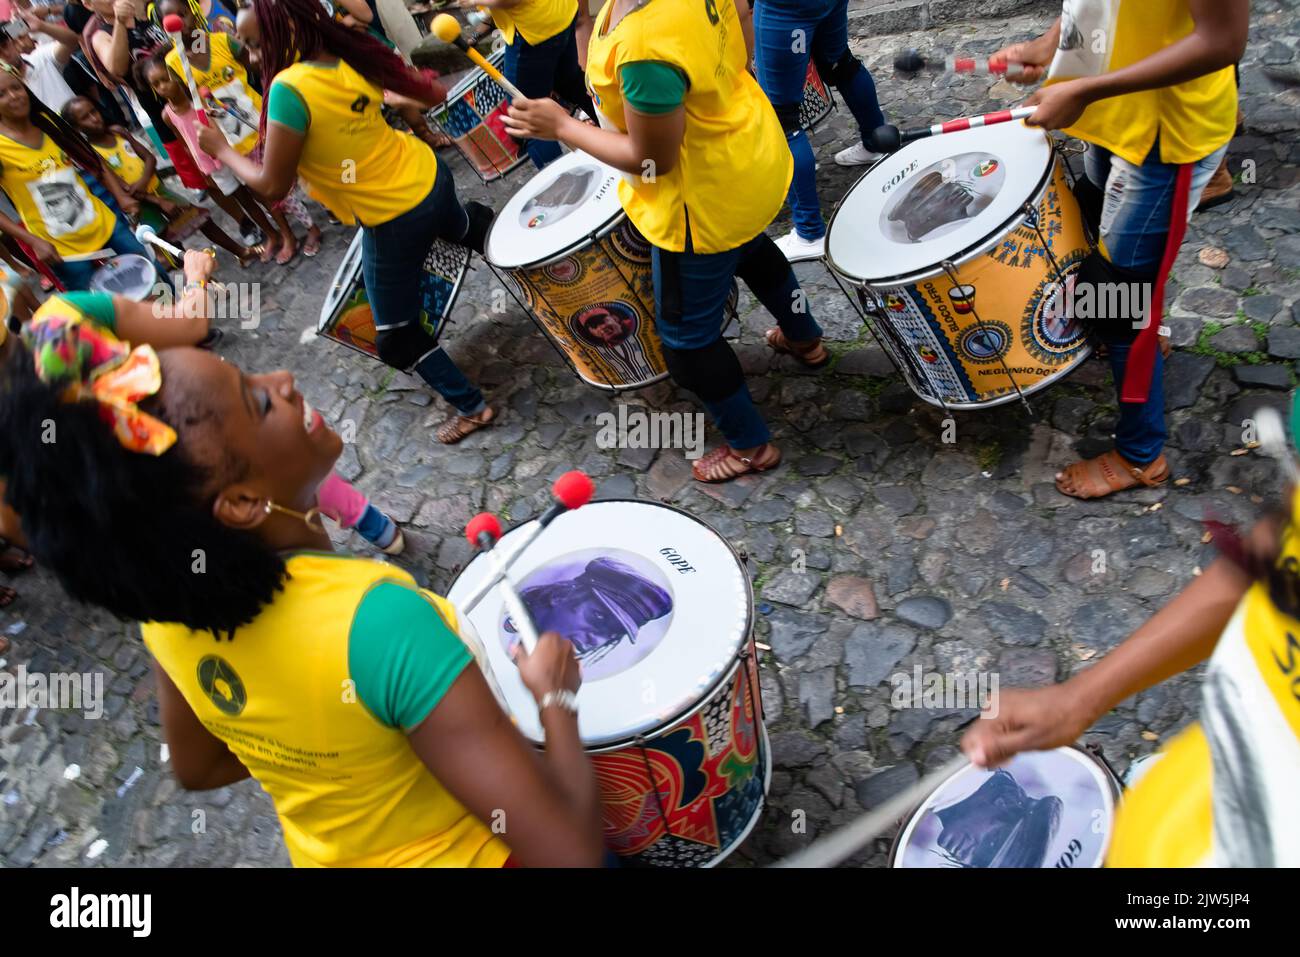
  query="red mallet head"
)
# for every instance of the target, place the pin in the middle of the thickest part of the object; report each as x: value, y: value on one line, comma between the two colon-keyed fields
x: 205, y: 93
x: 172, y: 23
x: 480, y: 523
x: 573, y: 489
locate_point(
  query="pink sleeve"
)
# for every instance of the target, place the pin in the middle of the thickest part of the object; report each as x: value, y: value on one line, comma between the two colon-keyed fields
x: 341, y: 500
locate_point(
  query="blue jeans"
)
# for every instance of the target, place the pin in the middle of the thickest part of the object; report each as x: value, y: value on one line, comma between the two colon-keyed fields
x: 549, y: 67
x: 392, y: 260
x: 786, y: 34
x: 76, y: 276
x: 691, y: 291
x: 1134, y: 229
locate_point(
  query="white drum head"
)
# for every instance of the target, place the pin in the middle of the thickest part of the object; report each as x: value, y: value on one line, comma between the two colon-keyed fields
x: 129, y: 275
x: 1041, y: 809
x: 655, y: 601
x: 556, y: 210
x: 934, y: 199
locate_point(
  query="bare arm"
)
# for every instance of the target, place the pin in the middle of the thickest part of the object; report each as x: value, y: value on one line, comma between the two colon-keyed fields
x: 549, y: 805
x: 275, y: 177
x: 1218, y: 40
x: 146, y: 156
x: 746, y: 13
x: 200, y: 760
x: 1178, y: 637
x: 66, y: 38
x: 650, y: 147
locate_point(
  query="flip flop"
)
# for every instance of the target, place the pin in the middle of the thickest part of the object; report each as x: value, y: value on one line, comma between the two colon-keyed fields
x: 812, y: 354
x: 311, y: 245
x: 280, y: 259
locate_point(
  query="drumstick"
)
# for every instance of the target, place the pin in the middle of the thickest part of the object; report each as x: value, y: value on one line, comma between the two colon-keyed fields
x: 145, y: 233
x: 447, y: 29
x: 483, y: 532
x: 835, y: 848
x: 89, y: 257
x: 1273, y: 443
x: 571, y: 490
x: 174, y: 25
x: 890, y: 139
x: 913, y: 61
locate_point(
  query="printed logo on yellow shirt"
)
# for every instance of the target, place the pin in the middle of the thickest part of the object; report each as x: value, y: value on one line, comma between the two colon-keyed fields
x: 360, y: 103
x: 222, y: 685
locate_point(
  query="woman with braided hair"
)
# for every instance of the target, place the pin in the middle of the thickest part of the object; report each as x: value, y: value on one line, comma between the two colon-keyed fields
x: 321, y: 121
x: 55, y: 181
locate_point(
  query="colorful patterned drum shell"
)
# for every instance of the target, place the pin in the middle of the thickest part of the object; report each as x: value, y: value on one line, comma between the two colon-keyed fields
x: 1000, y: 326
x: 472, y: 116
x: 818, y: 103
x: 1042, y: 809
x: 346, y: 316
x: 669, y: 708
x: 583, y: 271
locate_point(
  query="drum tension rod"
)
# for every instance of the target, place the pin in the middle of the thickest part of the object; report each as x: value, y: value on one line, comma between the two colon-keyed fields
x: 640, y: 742
x: 951, y: 269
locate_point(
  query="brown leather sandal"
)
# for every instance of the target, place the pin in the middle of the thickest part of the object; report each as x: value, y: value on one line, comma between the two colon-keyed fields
x: 462, y: 426
x: 810, y: 352
x: 723, y: 464
x: 1108, y: 473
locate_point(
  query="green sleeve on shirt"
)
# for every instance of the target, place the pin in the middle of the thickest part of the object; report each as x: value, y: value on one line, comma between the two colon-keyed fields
x: 652, y: 87
x: 97, y: 305
x: 402, y: 655
x: 286, y: 106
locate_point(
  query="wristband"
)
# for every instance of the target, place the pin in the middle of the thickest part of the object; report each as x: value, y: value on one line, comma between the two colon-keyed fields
x: 563, y: 699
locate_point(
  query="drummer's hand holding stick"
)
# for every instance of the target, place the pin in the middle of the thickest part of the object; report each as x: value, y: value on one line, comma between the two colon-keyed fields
x: 1178, y: 637
x: 650, y: 147
x: 1034, y: 56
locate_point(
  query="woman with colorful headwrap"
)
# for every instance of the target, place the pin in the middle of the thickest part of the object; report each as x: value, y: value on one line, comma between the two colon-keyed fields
x: 43, y: 168
x: 182, y: 492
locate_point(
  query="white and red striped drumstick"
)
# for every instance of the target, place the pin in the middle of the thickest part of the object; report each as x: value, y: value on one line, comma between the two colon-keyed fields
x: 913, y: 61
x: 890, y: 139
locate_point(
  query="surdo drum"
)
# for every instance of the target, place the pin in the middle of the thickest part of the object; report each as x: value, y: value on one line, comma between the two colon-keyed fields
x: 1042, y: 809
x: 963, y: 250
x: 129, y: 275
x: 472, y: 115
x: 583, y: 272
x: 817, y: 103
x: 346, y: 317
x: 669, y: 708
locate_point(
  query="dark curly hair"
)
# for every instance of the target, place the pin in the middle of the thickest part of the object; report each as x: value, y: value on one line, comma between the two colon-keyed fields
x: 125, y: 530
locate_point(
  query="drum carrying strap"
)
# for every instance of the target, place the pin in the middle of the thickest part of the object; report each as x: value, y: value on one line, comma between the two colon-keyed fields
x: 1142, y: 357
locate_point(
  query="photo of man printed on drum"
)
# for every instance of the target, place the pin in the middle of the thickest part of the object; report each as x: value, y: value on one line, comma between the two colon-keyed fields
x: 943, y: 197
x: 1043, y: 809
x: 614, y: 605
x: 557, y: 201
x: 63, y: 204
x: 605, y: 324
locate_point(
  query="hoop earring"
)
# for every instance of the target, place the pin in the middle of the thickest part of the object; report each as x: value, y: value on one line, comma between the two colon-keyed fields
x: 305, y: 517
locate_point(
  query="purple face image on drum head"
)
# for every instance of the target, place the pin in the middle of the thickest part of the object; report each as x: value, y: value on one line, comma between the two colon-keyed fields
x: 605, y: 323
x: 614, y: 605
x: 1045, y: 809
x: 942, y: 197
x: 568, y: 192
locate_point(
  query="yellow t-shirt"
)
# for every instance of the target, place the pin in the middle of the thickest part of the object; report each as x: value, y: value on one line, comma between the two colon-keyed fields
x: 228, y: 81
x: 735, y: 166
x: 1191, y: 119
x: 51, y: 197
x: 353, y: 162
x: 123, y: 160
x: 283, y: 695
x: 536, y: 20
x: 1225, y: 791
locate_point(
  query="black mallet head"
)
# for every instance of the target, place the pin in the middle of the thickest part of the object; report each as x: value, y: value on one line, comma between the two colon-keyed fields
x: 909, y: 61
x: 885, y: 139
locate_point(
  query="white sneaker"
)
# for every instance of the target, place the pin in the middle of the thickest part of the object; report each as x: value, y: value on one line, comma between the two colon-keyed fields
x: 796, y: 249
x: 856, y: 155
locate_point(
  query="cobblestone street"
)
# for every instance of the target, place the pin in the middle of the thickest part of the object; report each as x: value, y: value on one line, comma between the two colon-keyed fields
x: 953, y: 557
